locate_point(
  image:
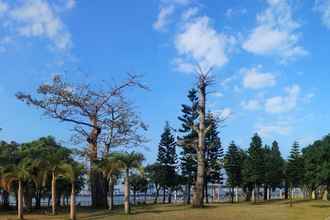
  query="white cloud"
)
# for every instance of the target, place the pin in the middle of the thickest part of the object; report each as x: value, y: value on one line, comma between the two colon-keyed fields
x: 224, y: 113
x: 323, y: 7
x: 280, y: 104
x: 163, y: 17
x: 218, y: 94
x: 277, y: 128
x: 200, y: 42
x: 251, y: 105
x: 37, y: 18
x: 275, y: 33
x: 183, y: 66
x: 255, y: 79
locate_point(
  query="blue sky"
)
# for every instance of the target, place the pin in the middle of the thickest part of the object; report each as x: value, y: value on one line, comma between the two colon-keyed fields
x: 270, y: 59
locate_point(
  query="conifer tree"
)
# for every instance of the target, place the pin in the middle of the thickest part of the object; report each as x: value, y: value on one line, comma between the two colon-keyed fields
x: 213, y: 155
x: 188, y: 163
x: 167, y: 158
x: 255, y: 164
x: 295, y: 168
x: 234, y: 160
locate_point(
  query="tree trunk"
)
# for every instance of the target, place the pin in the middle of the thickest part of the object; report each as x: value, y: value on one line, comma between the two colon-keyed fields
x: 188, y: 194
x: 199, y: 185
x: 169, y: 196
x: 97, y: 180
x: 126, y: 194
x: 325, y: 195
x: 20, y: 201
x: 236, y: 195
x: 265, y: 192
x: 73, y: 214
x: 164, y: 195
x: 53, y: 193
x: 157, y: 195
x: 134, y: 196
x: 198, y: 200
x: 110, y: 194
x: 232, y: 194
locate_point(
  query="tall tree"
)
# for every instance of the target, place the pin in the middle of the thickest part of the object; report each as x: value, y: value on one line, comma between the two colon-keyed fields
x: 274, y: 168
x: 89, y: 110
x: 295, y: 168
x: 167, y: 158
x: 204, y: 80
x: 188, y: 142
x: 255, y: 164
x: 234, y: 161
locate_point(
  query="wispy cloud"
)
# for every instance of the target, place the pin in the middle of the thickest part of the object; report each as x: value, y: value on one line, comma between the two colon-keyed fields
x: 275, y: 33
x: 37, y: 19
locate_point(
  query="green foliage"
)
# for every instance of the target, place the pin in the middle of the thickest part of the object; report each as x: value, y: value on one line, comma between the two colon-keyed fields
x: 234, y: 161
x: 213, y: 152
x: 167, y: 157
x: 295, y: 167
x: 255, y: 164
x: 188, y: 161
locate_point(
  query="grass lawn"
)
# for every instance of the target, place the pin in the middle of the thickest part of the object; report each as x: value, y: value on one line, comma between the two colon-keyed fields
x: 275, y: 210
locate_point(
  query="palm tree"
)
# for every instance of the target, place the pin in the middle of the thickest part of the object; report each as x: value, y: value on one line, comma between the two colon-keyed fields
x: 128, y: 161
x: 110, y: 167
x: 19, y: 173
x: 71, y: 172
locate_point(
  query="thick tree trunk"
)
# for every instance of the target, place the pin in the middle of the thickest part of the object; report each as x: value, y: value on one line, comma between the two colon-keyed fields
x: 198, y: 200
x: 265, y: 192
x: 110, y: 194
x: 97, y: 180
x: 73, y: 214
x: 199, y: 185
x: 53, y: 193
x: 232, y: 194
x: 126, y: 193
x: 236, y: 195
x: 20, y: 201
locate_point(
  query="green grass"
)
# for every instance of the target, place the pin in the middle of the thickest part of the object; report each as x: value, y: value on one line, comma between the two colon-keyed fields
x: 275, y: 210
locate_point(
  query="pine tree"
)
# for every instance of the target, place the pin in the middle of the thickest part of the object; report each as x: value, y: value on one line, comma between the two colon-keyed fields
x: 295, y: 168
x: 256, y: 164
x: 189, y: 137
x: 167, y: 158
x: 234, y: 160
x: 213, y: 155
x: 274, y: 167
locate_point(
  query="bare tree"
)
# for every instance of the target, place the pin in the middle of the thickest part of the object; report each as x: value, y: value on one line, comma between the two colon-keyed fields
x: 204, y: 79
x: 122, y: 128
x: 88, y: 109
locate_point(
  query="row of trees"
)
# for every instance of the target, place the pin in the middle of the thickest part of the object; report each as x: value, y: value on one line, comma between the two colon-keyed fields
x: 263, y: 166
x: 43, y: 169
